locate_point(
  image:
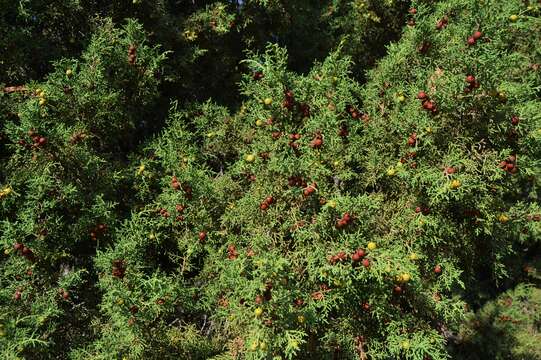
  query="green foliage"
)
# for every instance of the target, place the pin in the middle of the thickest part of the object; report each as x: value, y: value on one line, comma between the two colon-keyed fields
x: 160, y: 197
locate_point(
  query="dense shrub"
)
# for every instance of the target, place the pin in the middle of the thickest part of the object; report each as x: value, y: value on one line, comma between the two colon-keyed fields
x: 317, y: 212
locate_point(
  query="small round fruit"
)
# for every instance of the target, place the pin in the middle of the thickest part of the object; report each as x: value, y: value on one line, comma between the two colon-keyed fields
x: 250, y: 158
x: 477, y: 35
x: 259, y: 122
x: 401, y: 98
x: 42, y: 101
x: 202, y: 236
x: 513, y: 18
x: 405, y: 277
x: 258, y: 312
x: 421, y: 95
x: 69, y: 73
x: 405, y: 344
x: 366, y: 263
x: 455, y: 184
x: 301, y: 319
x: 471, y: 41
x: 413, y: 256
x: 437, y: 269
x: 371, y: 245
x: 331, y: 204
x: 267, y: 101
x: 503, y: 218
x: 391, y: 172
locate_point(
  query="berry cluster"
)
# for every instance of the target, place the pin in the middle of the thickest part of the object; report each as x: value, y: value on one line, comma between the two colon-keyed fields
x: 296, y: 181
x: 340, y: 257
x: 119, y: 268
x: 132, y: 57
x: 309, y: 189
x: 98, y: 230
x: 428, y: 104
x: 232, y: 253
x: 344, y: 221
x: 23, y: 250
x: 289, y: 100
x: 180, y: 209
x: 317, y: 141
x: 37, y: 140
x: 163, y: 212
x: 412, y: 140
x: 422, y: 209
x: 476, y: 36
x: 293, y: 138
x: 266, y: 203
x: 509, y: 165
x: 442, y: 23
x: 472, y: 83
x: 354, y: 113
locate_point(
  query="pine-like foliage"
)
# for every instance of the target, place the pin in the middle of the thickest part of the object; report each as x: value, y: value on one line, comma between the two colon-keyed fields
x: 322, y: 217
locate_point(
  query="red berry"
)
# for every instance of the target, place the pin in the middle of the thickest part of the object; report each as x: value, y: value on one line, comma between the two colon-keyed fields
x: 17, y: 295
x: 421, y: 95
x: 355, y: 257
x: 412, y: 11
x: 411, y: 141
x: 202, y: 236
x: 471, y: 41
x: 18, y: 246
x: 263, y: 206
x: 470, y: 79
x: 477, y: 35
x: 346, y: 217
x: 42, y: 141
x: 397, y: 290
x: 316, y: 143
x: 269, y: 200
x: 437, y: 269
x: 515, y: 120
x: 65, y: 295
x: 361, y: 252
x: 366, y: 263
x: 418, y: 209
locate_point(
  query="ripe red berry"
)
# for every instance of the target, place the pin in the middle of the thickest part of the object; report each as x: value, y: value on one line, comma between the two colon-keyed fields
x: 263, y: 206
x: 412, y: 11
x: 477, y: 35
x: 428, y: 105
x: 361, y: 252
x: 421, y: 95
x: 470, y: 79
x: 17, y: 295
x: 515, y: 120
x: 355, y: 257
x: 437, y: 269
x: 316, y: 143
x: 42, y: 141
x: 397, y: 290
x: 471, y: 41
x: 18, y: 246
x: 65, y: 295
x: 418, y: 209
x: 202, y: 236
x: 366, y: 263
x: 346, y: 217
x: 269, y: 200
x: 411, y: 141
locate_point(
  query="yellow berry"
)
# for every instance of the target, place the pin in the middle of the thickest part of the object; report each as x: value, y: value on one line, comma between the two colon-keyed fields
x: 401, y: 98
x: 513, y: 18
x: 267, y: 101
x: 259, y: 122
x: 69, y: 73
x: 331, y: 204
x: 42, y: 101
x: 391, y: 172
x: 258, y: 312
x: 301, y: 319
x: 503, y: 218
x: 405, y: 277
x: 455, y: 184
x: 371, y: 245
x: 249, y: 158
x: 405, y: 344
x: 413, y: 256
